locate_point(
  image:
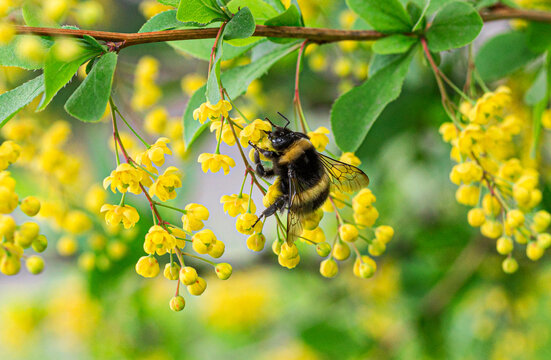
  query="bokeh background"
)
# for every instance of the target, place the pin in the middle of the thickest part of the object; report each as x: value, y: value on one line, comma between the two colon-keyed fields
x: 439, y: 291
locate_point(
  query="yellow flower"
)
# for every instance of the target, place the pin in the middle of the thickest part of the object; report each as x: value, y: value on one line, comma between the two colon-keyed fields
x: 194, y: 216
x: 125, y: 178
x: 245, y: 223
x: 348, y: 232
x: 148, y: 266
x: 154, y: 155
x: 7, y: 32
x: 188, y: 275
x: 177, y: 303
x: 273, y: 193
x: 9, y: 152
x: 209, y: 111
x: 191, y: 82
x: 489, y: 105
x: 227, y: 133
x: 316, y: 235
x: 364, y: 267
x: 165, y: 185
x: 329, y: 268
x: 448, y: 131
x: 215, y: 162
x: 256, y: 242
x: 114, y: 214
x: 350, y: 158
x: 223, y: 271
x: 150, y: 8
x: 8, y: 200
x: 237, y: 204
x: 546, y: 119
x: 319, y: 138
x: 203, y: 240
x: 254, y: 132
x: 155, y: 121
x: 158, y: 240
x: 363, y: 200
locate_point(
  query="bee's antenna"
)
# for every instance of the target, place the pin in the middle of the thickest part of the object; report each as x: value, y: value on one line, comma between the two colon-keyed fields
x: 268, y: 120
x: 283, y: 116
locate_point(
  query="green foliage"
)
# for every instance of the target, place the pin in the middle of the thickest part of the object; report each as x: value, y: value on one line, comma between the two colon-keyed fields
x: 536, y: 93
x: 354, y: 112
x: 241, y: 26
x: 456, y: 24
x: 199, y: 48
x: 57, y: 72
x: 33, y: 16
x: 394, y: 44
x: 290, y: 17
x: 236, y: 81
x: 503, y: 54
x: 201, y: 12
x: 261, y: 10
x: 538, y: 37
x: 386, y: 16
x: 212, y: 92
x: 14, y: 100
x: 89, y: 101
x: 8, y: 56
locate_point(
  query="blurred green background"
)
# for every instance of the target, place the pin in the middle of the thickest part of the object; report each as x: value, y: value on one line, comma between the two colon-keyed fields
x: 439, y: 291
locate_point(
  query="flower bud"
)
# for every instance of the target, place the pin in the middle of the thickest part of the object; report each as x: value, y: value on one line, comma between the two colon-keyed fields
x: 329, y: 268
x: 40, y: 243
x: 515, y: 218
x: 288, y: 263
x: 376, y: 248
x: 256, y: 242
x: 147, y: 266
x: 198, y: 287
x: 491, y: 229
x: 67, y: 246
x: 341, y: 251
x: 223, y: 271
x: 188, y: 275
x: 7, y: 226
x: 504, y: 245
x: 216, y: 249
x: 509, y: 265
x: 542, y: 219
x: 544, y: 240
x: 476, y: 217
x: 26, y: 234
x: 312, y: 221
x: 348, y: 232
x: 367, y: 270
x: 384, y: 233
x: 10, y: 265
x: 171, y: 271
x: 534, y: 251
x: 288, y: 251
x: 35, y: 264
x: 177, y: 303
x: 30, y: 206
x: 323, y: 249
x: 467, y: 195
x: 276, y: 247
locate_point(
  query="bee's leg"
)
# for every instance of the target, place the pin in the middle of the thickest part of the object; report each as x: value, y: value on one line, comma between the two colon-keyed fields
x: 270, y: 210
x: 260, y: 169
x: 267, y: 153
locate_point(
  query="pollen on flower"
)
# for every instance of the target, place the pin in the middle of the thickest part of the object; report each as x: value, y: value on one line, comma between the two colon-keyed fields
x: 215, y: 162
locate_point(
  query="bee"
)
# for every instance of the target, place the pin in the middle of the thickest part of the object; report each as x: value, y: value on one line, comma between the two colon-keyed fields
x: 305, y: 177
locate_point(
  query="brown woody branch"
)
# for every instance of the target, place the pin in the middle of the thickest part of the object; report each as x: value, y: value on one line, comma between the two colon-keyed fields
x: 319, y: 35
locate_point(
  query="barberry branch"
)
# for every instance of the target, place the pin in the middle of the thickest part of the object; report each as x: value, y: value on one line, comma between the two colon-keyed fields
x: 318, y: 35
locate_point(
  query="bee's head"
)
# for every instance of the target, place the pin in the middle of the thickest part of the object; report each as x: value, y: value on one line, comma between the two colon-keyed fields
x: 281, y: 137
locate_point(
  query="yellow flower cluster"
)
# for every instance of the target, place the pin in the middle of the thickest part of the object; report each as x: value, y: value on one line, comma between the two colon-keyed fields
x: 146, y: 91
x: 208, y: 111
x: 502, y: 192
x: 14, y: 238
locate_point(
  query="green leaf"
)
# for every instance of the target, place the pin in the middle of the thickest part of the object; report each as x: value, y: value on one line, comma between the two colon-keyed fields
x: 276, y: 4
x: 381, y: 61
x: 420, y: 20
x: 290, y: 17
x: 538, y: 36
x: 94, y: 44
x: 385, y: 16
x: 32, y: 14
x: 354, y: 112
x: 212, y: 92
x: 241, y: 26
x: 236, y: 81
x: 57, y: 73
x: 199, y: 48
x: 537, y: 91
x: 199, y: 11
x: 261, y: 10
x: 89, y: 101
x: 503, y: 54
x: 14, y: 100
x: 455, y: 25
x: 162, y: 21
x: 169, y: 2
x: 394, y: 44
x: 8, y: 56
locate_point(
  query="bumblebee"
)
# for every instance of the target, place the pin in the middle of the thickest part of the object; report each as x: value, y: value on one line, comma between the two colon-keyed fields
x: 304, y: 176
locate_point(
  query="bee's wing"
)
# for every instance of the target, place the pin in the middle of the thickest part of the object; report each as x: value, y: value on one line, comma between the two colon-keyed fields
x: 344, y: 177
x: 294, y: 223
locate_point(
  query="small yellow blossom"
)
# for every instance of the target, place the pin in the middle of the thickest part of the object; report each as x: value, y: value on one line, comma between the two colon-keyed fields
x: 245, y: 223
x: 155, y: 121
x: 148, y: 266
x: 9, y: 152
x: 114, y: 214
x: 194, y: 216
x: 165, y: 185
x: 227, y: 134
x: 350, y: 158
x: 191, y: 82
x: 158, y: 240
x: 154, y: 155
x: 210, y: 111
x: 254, y: 132
x: 237, y: 204
x: 215, y: 162
x: 319, y: 138
x: 125, y: 178
x: 329, y: 268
